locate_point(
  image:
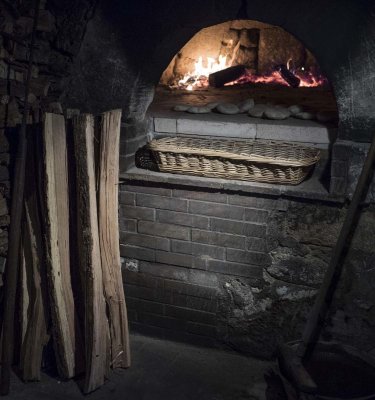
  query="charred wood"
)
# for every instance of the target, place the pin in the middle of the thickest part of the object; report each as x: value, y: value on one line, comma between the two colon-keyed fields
x: 220, y: 78
x: 288, y: 76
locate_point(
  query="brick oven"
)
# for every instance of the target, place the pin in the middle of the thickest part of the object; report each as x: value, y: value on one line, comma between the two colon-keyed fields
x: 221, y: 262
x: 225, y: 262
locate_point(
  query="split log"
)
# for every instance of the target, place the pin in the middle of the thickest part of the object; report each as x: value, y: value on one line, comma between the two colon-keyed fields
x: 288, y: 76
x: 108, y: 179
x: 24, y: 292
x: 96, y: 324
x: 34, y: 297
x: 220, y: 78
x: 58, y: 263
x: 34, y: 332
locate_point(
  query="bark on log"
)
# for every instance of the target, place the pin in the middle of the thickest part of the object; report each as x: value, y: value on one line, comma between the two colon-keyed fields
x: 220, y: 78
x: 96, y: 324
x: 109, y: 238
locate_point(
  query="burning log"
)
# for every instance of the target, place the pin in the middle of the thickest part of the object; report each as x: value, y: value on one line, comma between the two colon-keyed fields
x: 288, y: 76
x: 220, y: 78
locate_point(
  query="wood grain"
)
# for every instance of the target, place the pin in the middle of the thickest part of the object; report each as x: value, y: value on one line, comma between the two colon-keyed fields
x: 58, y: 263
x: 108, y: 178
x: 96, y: 324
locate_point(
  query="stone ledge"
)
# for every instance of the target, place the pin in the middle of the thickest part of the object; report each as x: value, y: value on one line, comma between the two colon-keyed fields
x: 243, y: 127
x: 311, y: 189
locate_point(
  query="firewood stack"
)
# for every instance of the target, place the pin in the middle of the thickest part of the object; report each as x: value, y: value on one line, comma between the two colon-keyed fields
x: 70, y: 285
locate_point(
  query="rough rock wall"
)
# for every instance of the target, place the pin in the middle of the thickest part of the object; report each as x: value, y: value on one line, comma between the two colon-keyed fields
x: 299, y: 241
x: 59, y: 33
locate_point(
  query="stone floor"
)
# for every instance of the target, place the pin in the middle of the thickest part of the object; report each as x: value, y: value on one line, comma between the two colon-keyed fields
x: 164, y: 370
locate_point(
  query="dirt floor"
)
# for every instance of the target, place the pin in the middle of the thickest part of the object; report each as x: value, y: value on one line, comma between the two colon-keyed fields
x: 164, y: 370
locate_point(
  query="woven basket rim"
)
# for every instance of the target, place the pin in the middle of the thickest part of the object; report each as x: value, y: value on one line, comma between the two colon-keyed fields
x: 256, y: 150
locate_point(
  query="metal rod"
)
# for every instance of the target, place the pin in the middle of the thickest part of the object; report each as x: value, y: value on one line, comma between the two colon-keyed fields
x: 11, y: 273
x: 335, y: 267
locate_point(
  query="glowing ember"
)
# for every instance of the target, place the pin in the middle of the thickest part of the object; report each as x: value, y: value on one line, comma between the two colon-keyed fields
x: 198, y: 78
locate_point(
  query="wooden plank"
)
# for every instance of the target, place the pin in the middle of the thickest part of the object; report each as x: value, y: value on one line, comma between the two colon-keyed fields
x: 96, y: 324
x: 108, y: 179
x: 58, y: 263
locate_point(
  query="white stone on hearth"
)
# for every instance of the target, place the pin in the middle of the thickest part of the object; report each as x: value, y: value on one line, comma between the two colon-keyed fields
x: 227, y: 108
x: 199, y: 110
x: 295, y: 109
x: 258, y: 110
x: 305, y: 115
x: 278, y: 113
x: 181, y: 107
x: 212, y: 105
x: 246, y: 105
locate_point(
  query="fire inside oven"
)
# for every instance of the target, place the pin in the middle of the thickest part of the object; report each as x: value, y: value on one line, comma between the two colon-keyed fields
x: 249, y: 52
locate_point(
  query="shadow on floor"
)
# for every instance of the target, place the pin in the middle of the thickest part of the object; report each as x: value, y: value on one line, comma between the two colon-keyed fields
x: 164, y: 370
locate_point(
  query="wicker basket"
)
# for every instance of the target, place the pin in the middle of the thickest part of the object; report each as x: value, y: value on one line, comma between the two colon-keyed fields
x: 250, y: 160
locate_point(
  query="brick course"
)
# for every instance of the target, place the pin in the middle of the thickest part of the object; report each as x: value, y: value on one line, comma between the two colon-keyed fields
x: 216, y: 210
x: 164, y: 203
x: 184, y: 219
x: 164, y: 230
x: 188, y: 243
x: 219, y: 239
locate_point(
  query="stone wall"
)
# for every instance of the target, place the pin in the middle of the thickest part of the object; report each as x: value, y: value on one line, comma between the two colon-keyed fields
x: 59, y: 33
x: 222, y: 268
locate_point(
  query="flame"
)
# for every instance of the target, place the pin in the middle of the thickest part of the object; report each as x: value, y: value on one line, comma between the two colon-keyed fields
x: 199, y: 77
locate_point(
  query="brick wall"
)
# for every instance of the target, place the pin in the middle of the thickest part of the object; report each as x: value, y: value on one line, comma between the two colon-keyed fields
x: 222, y: 268
x: 180, y: 246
